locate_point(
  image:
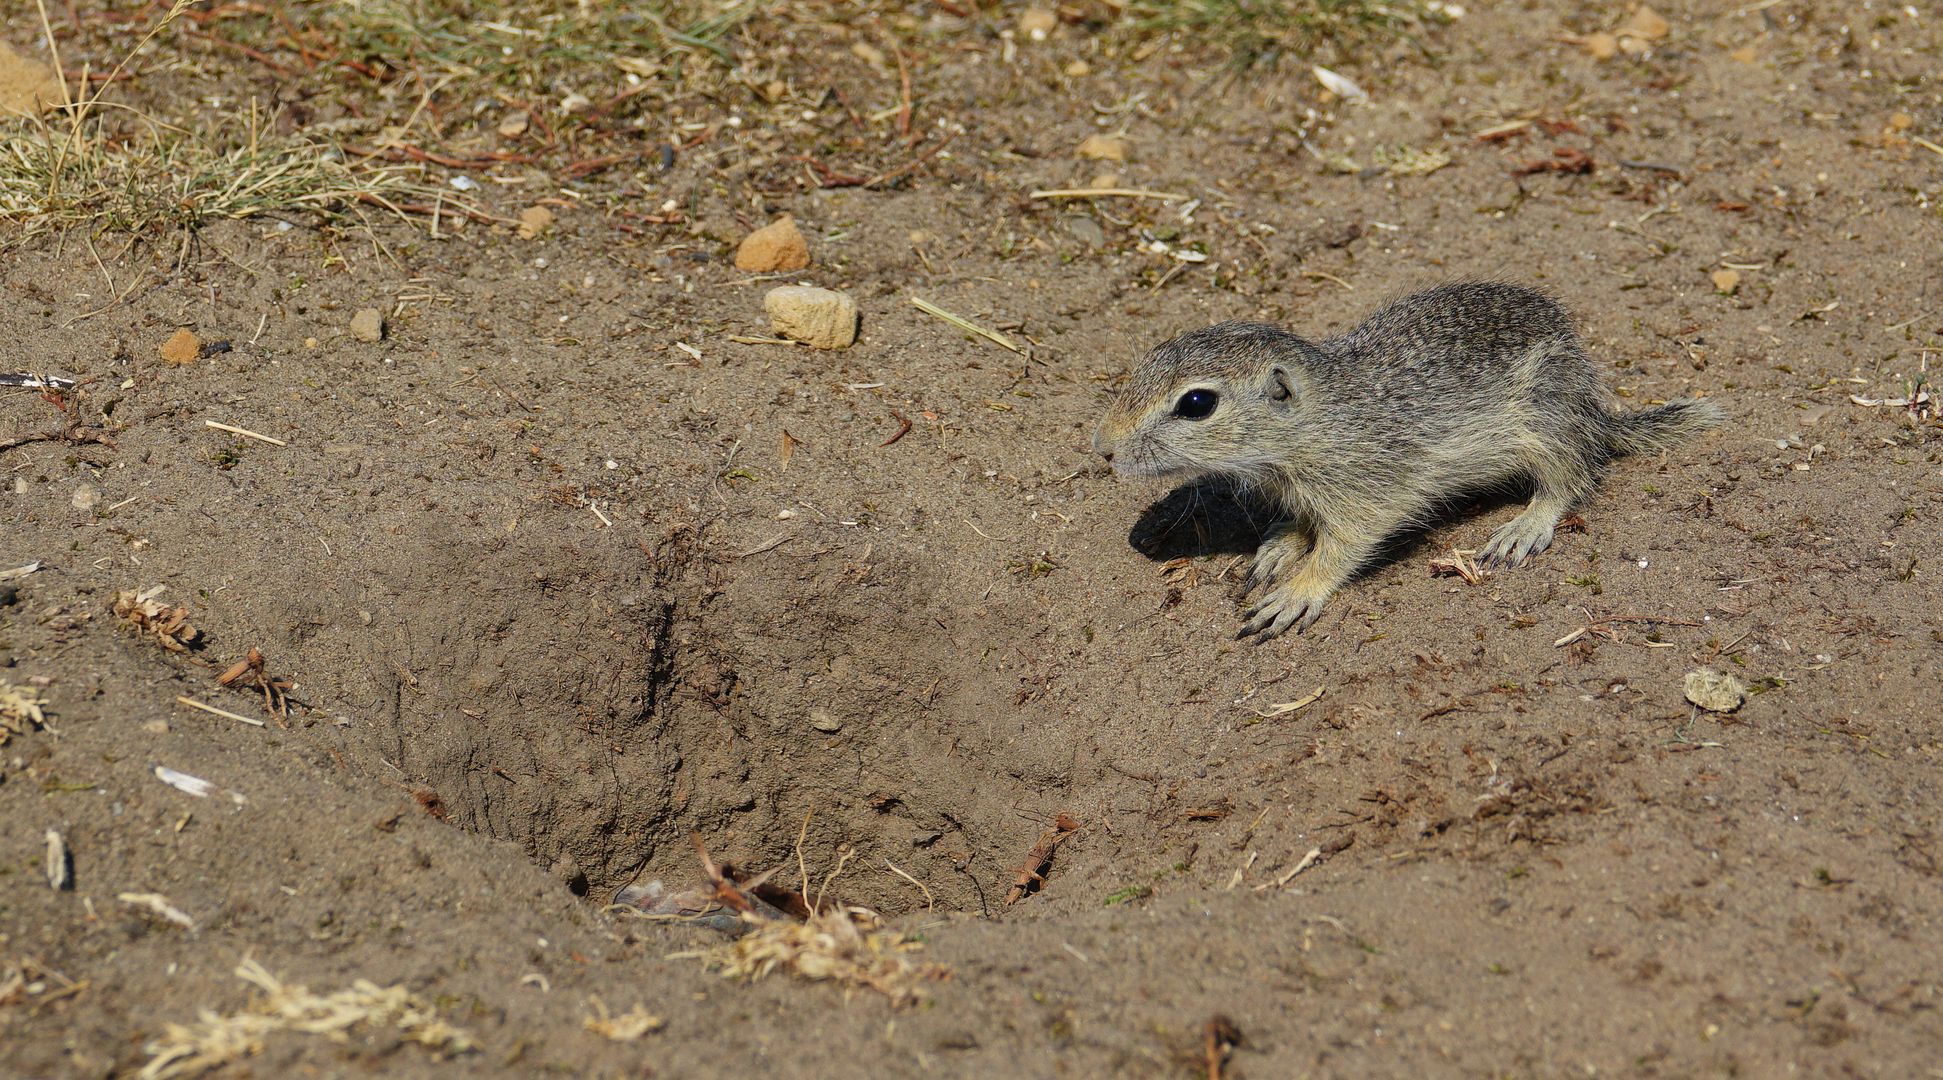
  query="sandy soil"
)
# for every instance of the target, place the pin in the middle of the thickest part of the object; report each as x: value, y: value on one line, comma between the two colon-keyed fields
x: 553, y: 596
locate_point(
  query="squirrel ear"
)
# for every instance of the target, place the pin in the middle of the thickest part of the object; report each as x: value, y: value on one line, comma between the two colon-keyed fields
x: 1279, y: 386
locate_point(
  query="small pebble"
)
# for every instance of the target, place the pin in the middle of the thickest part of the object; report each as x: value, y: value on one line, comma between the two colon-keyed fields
x: 778, y: 246
x: 1086, y: 230
x: 1103, y: 148
x: 533, y: 221
x: 86, y: 497
x: 825, y: 721
x: 181, y: 348
x: 368, y: 325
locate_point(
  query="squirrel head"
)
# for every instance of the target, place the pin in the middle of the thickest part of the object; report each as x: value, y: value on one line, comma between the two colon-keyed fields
x: 1211, y: 401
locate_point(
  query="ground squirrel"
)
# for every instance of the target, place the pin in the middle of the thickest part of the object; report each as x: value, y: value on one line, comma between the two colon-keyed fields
x: 1459, y: 390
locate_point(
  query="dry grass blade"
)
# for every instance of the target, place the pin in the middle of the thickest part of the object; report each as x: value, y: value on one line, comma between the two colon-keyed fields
x: 216, y: 1040
x: 968, y: 326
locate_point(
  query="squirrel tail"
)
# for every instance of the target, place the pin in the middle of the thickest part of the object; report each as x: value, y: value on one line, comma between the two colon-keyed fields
x: 1650, y: 431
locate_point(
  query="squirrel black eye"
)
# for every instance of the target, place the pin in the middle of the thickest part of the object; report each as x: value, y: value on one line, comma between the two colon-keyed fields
x: 1196, y: 404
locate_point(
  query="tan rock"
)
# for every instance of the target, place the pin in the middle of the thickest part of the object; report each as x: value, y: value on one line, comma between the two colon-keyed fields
x: 1645, y: 24
x: 1727, y: 282
x: 27, y: 86
x: 1037, y: 23
x: 1104, y: 181
x: 181, y: 348
x: 1600, y: 46
x: 533, y: 221
x: 821, y: 317
x: 775, y: 247
x: 368, y: 325
x: 1103, y: 148
x: 514, y: 124
x: 1714, y: 691
x: 1078, y: 69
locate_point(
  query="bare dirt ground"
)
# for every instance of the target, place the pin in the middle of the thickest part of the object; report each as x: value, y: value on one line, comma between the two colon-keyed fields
x: 562, y: 572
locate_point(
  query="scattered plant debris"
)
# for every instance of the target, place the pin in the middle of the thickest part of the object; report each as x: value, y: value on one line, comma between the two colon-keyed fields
x: 141, y: 613
x: 158, y: 905
x: 215, y: 1040
x: 627, y: 1027
x: 830, y: 942
x: 22, y: 709
x: 1031, y: 872
x: 248, y: 674
x: 1461, y: 563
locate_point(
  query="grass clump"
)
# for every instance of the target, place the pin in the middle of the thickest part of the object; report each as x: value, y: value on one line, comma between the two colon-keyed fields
x: 169, y: 179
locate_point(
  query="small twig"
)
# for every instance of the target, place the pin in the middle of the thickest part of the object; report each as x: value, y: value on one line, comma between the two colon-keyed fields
x: 1218, y: 1043
x: 194, y: 704
x: 912, y: 165
x: 31, y: 381
x: 968, y: 326
x: 1096, y: 193
x: 158, y: 904
x: 903, y: 429
x: 245, y: 432
x: 1313, y: 857
x: 769, y: 546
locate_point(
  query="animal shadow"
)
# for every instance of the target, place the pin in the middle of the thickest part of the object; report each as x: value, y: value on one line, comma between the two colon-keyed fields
x: 1211, y: 516
x: 1208, y: 516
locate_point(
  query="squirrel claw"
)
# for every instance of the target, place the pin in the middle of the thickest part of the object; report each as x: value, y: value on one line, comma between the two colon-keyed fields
x: 1278, y: 613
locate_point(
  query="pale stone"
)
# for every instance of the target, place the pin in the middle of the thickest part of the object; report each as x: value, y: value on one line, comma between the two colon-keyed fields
x: 819, y: 317
x: 368, y: 325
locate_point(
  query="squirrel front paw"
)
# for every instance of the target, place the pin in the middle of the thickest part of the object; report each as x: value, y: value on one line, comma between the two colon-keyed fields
x: 1284, y: 607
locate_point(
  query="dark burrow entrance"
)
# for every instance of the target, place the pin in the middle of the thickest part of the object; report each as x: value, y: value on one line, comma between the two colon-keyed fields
x: 598, y: 705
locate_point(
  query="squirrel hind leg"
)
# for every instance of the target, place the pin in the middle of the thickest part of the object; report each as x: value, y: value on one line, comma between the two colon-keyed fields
x: 1559, y: 484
